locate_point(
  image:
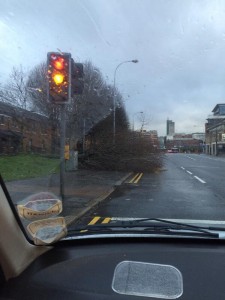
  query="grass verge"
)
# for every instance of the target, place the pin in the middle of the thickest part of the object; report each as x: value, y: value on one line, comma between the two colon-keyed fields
x: 27, y: 166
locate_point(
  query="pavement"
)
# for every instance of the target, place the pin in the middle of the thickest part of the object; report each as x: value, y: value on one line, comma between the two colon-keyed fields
x: 84, y: 189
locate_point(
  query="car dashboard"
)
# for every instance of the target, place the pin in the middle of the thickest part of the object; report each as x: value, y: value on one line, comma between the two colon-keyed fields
x: 102, y: 269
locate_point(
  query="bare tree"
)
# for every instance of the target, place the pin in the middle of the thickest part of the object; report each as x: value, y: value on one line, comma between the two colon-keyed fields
x: 85, y: 110
x: 37, y: 86
x: 144, y: 119
x: 15, y: 90
x: 127, y: 154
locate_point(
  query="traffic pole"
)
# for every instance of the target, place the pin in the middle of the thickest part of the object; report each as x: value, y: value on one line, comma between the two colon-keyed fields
x: 62, y: 147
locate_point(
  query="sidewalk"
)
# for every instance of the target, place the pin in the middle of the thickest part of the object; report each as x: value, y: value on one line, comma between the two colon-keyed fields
x: 83, y: 188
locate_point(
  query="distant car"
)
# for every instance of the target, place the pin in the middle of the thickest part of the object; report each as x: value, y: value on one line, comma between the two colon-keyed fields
x: 173, y: 150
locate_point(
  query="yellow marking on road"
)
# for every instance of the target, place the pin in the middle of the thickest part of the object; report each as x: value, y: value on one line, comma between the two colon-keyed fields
x: 139, y: 177
x: 132, y: 180
x: 106, y: 220
x: 94, y: 221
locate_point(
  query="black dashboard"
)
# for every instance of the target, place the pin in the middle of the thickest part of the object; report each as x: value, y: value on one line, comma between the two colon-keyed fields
x: 84, y: 269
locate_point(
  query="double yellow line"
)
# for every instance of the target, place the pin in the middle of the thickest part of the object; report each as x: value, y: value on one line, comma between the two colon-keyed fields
x: 96, y: 219
x: 136, y: 178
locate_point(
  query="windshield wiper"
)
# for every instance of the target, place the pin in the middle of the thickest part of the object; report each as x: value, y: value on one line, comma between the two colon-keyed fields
x: 145, y: 226
x: 177, y: 225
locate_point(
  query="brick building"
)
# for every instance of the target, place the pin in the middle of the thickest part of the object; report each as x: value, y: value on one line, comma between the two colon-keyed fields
x: 25, y: 131
x: 151, y: 136
x: 185, y: 143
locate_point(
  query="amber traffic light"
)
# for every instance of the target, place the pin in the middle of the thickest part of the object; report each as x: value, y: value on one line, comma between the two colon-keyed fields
x: 59, y: 77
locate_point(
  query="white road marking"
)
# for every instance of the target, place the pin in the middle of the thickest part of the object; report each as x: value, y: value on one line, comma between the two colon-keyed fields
x: 196, y: 177
x: 199, y: 179
x: 191, y: 158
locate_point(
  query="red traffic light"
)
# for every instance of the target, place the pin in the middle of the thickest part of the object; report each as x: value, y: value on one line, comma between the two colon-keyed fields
x: 58, y: 62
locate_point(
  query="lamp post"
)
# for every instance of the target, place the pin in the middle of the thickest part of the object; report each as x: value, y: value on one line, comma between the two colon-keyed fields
x: 114, y: 95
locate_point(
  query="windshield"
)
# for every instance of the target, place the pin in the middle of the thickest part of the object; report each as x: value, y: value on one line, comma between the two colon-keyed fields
x: 111, y: 112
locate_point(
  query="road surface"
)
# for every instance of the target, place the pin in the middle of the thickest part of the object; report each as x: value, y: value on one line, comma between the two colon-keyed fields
x: 190, y: 187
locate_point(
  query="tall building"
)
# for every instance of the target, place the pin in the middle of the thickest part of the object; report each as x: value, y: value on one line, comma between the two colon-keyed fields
x: 170, y: 128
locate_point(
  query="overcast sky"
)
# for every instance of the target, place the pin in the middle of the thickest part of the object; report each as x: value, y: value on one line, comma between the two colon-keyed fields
x: 180, y: 46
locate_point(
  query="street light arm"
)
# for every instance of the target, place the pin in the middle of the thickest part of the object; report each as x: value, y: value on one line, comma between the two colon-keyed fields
x: 114, y: 97
x: 123, y: 62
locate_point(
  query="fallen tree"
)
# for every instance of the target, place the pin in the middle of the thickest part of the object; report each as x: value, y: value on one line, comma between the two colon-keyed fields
x: 131, y: 151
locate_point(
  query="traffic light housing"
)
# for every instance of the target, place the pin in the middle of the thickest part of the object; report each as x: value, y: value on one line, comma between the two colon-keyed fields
x: 77, y: 74
x: 59, y: 77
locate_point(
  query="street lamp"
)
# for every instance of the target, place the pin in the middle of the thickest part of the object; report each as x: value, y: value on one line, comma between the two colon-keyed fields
x: 114, y: 95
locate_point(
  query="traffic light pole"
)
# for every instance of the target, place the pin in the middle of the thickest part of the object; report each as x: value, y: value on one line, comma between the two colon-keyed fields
x: 63, y: 74
x: 62, y: 147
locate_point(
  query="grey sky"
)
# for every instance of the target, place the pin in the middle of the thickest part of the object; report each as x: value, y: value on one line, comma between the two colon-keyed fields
x: 180, y: 46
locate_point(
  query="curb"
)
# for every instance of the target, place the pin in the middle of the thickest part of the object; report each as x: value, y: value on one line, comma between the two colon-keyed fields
x: 98, y: 200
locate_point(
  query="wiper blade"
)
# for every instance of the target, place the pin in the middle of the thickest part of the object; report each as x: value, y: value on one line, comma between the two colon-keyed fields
x: 135, y: 226
x: 176, y: 225
x: 180, y: 226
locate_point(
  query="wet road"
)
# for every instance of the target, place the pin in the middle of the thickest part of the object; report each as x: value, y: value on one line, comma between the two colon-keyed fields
x: 190, y: 187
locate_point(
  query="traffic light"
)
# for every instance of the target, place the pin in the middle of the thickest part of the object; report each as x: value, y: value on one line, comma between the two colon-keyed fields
x: 77, y: 84
x: 59, y: 77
